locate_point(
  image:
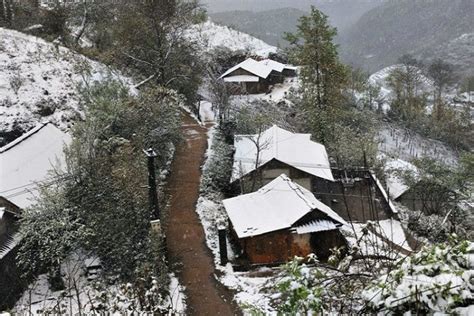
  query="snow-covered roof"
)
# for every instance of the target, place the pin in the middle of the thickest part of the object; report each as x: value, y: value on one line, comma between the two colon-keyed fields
x: 241, y: 78
x: 278, y: 205
x: 395, y: 184
x: 26, y: 162
x: 259, y: 68
x: 296, y: 150
x: 252, y: 66
x: 275, y: 65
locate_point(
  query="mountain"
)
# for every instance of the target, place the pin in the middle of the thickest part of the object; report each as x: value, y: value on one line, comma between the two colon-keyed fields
x: 268, y: 26
x: 428, y: 30
x: 39, y: 81
x: 271, y: 24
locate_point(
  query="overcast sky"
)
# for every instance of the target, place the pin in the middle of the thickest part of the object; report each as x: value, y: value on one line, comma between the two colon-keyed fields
x: 259, y: 5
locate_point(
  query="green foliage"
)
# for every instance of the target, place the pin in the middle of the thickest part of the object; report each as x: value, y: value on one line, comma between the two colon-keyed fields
x: 312, y: 46
x: 442, y: 194
x: 299, y: 293
x: 346, y: 131
x: 218, y: 169
x: 101, y: 203
x: 467, y: 84
x: 148, y: 38
x: 437, y: 279
x: 109, y: 171
x: 50, y: 231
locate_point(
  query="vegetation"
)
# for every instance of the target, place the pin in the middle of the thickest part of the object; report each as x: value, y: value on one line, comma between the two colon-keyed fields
x: 442, y: 194
x: 100, y: 204
x: 436, y: 279
x: 323, y: 101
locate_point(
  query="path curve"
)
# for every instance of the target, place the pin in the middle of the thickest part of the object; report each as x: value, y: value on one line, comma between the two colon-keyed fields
x: 185, y: 237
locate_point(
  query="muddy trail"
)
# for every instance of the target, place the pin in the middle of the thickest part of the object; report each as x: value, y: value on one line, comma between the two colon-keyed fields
x: 186, y: 241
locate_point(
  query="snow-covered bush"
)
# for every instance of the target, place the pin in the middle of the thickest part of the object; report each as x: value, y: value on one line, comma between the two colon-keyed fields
x: 298, y: 291
x: 218, y: 167
x: 439, y: 278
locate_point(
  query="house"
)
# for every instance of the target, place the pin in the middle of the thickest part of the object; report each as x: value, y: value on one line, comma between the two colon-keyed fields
x: 282, y: 220
x: 27, y: 161
x: 253, y: 77
x: 24, y: 164
x: 9, y: 239
x: 263, y: 157
x: 355, y: 194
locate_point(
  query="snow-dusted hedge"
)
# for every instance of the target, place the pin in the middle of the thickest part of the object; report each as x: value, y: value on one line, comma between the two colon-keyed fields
x: 439, y: 278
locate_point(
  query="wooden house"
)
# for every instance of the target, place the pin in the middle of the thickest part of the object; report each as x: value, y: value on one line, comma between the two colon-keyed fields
x: 24, y: 163
x: 355, y: 194
x: 282, y: 220
x: 254, y: 77
x: 263, y: 157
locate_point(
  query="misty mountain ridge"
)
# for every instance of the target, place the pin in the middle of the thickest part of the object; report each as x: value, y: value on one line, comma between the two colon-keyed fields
x: 440, y: 29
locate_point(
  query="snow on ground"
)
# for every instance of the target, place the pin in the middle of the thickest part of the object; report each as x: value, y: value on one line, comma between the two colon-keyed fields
x: 210, y: 35
x: 206, y: 112
x: 278, y: 93
x: 177, y: 299
x: 407, y: 145
x: 39, y: 80
x: 39, y: 298
x: 371, y: 238
x: 395, y: 183
x: 380, y: 78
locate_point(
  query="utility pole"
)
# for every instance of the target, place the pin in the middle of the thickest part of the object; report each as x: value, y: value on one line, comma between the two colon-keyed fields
x: 152, y: 193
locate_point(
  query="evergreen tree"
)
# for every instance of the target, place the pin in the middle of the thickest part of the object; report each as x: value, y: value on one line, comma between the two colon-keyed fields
x: 323, y: 76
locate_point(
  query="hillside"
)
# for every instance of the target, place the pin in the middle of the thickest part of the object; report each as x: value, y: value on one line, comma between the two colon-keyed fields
x: 209, y: 35
x: 39, y: 81
x: 427, y: 31
x: 271, y: 25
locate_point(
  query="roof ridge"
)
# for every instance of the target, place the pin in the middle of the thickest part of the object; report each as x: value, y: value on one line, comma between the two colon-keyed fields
x: 23, y: 137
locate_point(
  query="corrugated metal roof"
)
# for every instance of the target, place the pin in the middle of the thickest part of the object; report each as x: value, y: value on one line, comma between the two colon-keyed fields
x: 315, y: 226
x: 9, y: 245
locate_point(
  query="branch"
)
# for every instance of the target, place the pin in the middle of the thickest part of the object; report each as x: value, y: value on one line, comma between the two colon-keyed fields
x: 138, y: 85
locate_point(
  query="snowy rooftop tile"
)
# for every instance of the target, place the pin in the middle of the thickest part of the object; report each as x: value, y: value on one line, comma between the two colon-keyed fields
x: 296, y: 150
x: 276, y: 206
x: 27, y: 161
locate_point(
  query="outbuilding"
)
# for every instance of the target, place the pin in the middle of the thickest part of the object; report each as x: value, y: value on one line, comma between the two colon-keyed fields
x: 282, y: 220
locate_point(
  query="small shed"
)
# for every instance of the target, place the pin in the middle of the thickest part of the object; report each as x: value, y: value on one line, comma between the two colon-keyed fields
x: 283, y: 220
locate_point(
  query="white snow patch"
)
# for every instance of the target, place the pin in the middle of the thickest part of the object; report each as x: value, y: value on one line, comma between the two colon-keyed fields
x: 210, y: 35
x: 40, y: 79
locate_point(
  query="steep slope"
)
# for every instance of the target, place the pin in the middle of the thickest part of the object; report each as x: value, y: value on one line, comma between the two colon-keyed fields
x: 210, y: 35
x: 419, y: 27
x: 39, y: 81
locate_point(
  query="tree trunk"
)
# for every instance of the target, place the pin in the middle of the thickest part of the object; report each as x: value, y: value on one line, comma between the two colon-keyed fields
x: 2, y: 13
x: 8, y: 13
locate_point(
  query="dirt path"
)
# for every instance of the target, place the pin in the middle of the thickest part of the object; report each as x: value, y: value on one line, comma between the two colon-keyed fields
x: 185, y: 235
